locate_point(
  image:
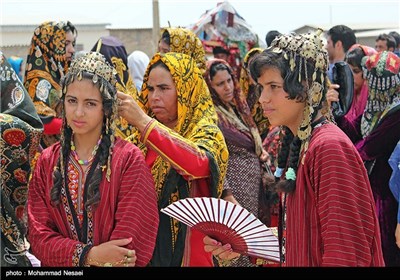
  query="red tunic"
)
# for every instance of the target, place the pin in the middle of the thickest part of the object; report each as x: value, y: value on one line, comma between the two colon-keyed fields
x: 331, y: 218
x: 127, y: 208
x: 192, y: 163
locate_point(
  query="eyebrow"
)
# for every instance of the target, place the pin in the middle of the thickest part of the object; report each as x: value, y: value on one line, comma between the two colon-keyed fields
x: 87, y: 99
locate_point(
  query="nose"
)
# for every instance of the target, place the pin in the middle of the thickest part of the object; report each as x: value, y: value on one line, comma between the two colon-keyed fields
x: 265, y: 96
x: 70, y: 49
x: 80, y: 111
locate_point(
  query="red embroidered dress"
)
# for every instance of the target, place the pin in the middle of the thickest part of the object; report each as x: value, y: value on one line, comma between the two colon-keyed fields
x: 127, y: 208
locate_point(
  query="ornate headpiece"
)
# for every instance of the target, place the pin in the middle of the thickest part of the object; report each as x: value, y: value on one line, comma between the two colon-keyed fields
x: 103, y: 74
x: 383, y: 77
x: 96, y: 64
x: 305, y: 49
x: 382, y: 71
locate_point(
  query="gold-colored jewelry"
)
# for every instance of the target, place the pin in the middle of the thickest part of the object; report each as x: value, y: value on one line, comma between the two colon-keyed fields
x: 130, y: 253
x: 224, y: 262
x: 90, y: 262
x: 128, y: 259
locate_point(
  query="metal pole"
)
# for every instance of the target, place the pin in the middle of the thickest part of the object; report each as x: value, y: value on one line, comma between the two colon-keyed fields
x: 156, y: 25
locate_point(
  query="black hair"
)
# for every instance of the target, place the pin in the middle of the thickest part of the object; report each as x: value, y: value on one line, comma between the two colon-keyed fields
x: 354, y: 57
x: 390, y: 40
x: 344, y: 34
x: 166, y: 37
x: 289, y: 153
x: 271, y: 35
x: 95, y: 172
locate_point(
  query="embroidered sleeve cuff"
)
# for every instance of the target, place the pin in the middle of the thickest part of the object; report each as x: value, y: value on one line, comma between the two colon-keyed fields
x: 80, y: 254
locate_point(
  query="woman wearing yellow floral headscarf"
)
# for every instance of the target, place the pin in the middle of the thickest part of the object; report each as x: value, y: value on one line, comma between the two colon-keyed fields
x: 50, y: 53
x: 182, y: 40
x: 183, y: 145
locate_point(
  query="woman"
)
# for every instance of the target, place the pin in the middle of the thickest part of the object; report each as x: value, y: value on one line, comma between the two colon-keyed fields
x: 20, y: 133
x: 249, y: 90
x: 243, y: 182
x: 115, y: 53
x: 182, y: 40
x: 183, y: 145
x: 326, y: 197
x: 50, y: 54
x: 354, y: 57
x: 375, y: 134
x: 98, y: 206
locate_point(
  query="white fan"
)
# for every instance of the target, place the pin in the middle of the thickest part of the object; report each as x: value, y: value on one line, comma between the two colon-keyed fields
x: 228, y: 223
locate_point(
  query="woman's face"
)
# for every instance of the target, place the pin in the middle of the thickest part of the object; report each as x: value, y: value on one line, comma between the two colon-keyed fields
x: 358, y: 77
x: 162, y: 97
x: 69, y: 45
x: 275, y: 103
x: 84, y: 108
x: 222, y: 83
x: 163, y: 47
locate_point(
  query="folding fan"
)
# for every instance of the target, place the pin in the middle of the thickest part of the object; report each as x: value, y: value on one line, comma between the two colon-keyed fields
x: 228, y: 223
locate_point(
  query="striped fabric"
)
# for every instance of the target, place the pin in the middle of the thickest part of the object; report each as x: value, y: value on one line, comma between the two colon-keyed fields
x: 128, y: 208
x: 331, y: 218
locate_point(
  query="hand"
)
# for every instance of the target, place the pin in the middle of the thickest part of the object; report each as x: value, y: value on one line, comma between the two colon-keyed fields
x: 231, y: 198
x: 397, y: 234
x: 265, y: 157
x: 131, y: 112
x: 332, y: 95
x: 224, y: 252
x: 112, y: 253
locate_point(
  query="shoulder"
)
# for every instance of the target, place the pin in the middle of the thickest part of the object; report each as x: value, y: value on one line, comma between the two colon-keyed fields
x: 51, y: 152
x: 329, y: 135
x: 124, y: 149
x: 331, y: 141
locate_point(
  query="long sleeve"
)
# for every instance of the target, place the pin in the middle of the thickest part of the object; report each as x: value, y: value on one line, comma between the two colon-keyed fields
x: 136, y: 212
x: 171, y: 146
x: 331, y: 218
x: 47, y: 242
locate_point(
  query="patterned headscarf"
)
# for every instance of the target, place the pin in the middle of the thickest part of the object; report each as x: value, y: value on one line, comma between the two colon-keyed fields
x: 251, y: 94
x: 46, y: 65
x: 20, y: 132
x: 197, y: 119
x: 115, y: 53
x: 227, y: 116
x: 183, y: 40
x: 382, y: 73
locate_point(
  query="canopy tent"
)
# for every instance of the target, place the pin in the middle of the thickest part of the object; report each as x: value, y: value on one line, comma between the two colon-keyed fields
x: 223, y: 26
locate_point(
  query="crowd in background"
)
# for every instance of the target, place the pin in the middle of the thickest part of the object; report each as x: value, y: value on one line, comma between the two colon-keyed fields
x: 95, y: 143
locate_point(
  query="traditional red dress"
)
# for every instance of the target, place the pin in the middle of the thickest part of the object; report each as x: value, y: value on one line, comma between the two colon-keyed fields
x: 127, y: 208
x: 331, y: 219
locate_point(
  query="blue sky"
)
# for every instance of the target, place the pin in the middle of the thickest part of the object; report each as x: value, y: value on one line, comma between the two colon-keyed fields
x: 262, y: 15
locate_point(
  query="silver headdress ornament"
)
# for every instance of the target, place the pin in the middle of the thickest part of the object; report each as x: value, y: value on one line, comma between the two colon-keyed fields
x: 95, y: 63
x: 306, y: 49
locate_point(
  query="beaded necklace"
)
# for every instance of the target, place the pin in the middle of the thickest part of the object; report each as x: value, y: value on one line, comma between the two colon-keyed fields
x: 88, y: 161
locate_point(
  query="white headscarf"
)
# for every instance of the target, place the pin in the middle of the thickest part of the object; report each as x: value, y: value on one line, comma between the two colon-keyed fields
x: 137, y: 64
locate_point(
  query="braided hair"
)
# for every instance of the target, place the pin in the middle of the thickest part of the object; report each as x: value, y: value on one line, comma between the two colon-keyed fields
x: 105, y: 82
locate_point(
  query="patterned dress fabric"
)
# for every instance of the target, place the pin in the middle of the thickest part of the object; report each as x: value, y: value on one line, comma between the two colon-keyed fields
x: 21, y: 129
x: 189, y: 160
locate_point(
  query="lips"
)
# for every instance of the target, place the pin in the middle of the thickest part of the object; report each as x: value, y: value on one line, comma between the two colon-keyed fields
x: 78, y: 123
x: 157, y: 109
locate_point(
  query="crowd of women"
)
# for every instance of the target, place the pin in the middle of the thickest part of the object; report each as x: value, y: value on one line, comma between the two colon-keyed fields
x: 95, y: 144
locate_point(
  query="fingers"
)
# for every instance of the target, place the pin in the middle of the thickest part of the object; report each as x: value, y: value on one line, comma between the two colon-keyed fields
x: 120, y: 242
